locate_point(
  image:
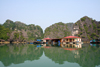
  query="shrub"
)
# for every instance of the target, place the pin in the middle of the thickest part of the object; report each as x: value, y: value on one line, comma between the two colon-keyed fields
x: 99, y: 26
x: 88, y: 37
x: 83, y: 36
x: 88, y: 32
x: 94, y: 26
x: 97, y: 35
x: 80, y: 28
x: 93, y: 34
x: 85, y: 27
x: 90, y: 26
x: 98, y: 29
x: 75, y: 23
x: 92, y: 21
x: 83, y: 19
x: 81, y: 33
x: 16, y: 35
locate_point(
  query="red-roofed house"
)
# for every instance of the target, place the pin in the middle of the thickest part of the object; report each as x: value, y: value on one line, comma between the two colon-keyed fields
x: 65, y: 41
x: 47, y: 40
x: 71, y: 40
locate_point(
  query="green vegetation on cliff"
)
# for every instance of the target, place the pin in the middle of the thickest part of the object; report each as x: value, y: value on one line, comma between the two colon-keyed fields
x: 28, y: 32
x: 88, y: 28
x: 57, y: 30
x: 4, y: 33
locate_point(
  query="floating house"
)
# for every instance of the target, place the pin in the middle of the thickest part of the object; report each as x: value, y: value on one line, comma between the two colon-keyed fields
x: 47, y: 40
x: 56, y: 41
x: 71, y: 41
x: 52, y: 41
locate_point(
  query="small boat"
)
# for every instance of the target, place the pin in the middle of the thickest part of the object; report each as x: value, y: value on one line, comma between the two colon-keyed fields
x: 37, y: 42
x: 96, y: 41
x: 31, y: 43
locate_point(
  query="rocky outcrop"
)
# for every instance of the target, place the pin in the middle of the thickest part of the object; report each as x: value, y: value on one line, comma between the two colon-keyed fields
x: 21, y: 31
x: 57, y: 30
x: 87, y: 29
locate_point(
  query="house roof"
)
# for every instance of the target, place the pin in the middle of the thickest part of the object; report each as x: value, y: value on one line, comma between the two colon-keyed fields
x: 55, y: 38
x: 71, y: 37
x: 47, y: 39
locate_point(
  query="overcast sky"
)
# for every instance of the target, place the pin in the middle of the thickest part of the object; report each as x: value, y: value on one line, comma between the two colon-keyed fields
x: 47, y: 12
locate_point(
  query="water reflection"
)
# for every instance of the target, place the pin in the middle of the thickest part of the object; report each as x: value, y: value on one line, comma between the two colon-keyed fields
x: 96, y: 45
x: 87, y: 56
x: 19, y: 53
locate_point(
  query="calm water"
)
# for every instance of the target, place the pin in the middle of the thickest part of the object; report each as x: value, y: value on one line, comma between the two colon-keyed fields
x: 24, y: 55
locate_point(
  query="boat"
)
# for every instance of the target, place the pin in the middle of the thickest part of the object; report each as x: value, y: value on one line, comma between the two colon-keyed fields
x: 37, y: 42
x: 96, y: 41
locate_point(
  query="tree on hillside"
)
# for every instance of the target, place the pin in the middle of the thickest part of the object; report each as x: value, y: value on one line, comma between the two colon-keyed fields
x: 3, y: 33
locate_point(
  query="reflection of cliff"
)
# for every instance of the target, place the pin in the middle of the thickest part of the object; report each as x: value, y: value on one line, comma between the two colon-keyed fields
x: 19, y: 53
x: 89, y: 56
x: 85, y: 57
x: 59, y: 55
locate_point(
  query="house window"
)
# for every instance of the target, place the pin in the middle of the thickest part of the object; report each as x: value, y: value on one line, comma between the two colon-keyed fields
x: 64, y: 40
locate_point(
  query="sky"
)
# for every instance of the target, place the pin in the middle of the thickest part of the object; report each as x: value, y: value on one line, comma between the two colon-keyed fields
x: 47, y: 12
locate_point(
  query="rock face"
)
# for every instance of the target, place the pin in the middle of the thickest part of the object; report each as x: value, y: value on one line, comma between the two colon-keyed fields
x: 86, y: 28
x: 21, y: 31
x: 70, y: 26
x: 57, y: 30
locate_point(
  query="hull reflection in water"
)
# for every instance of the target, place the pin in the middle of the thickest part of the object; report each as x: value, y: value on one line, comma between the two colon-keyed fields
x: 96, y: 45
x: 23, y: 55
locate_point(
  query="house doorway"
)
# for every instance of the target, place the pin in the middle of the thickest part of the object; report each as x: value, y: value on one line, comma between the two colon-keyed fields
x: 70, y: 40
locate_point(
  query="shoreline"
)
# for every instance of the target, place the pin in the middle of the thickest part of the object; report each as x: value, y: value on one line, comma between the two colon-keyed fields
x: 7, y: 42
x: 27, y: 42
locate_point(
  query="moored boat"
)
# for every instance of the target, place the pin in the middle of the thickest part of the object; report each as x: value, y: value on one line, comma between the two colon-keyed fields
x: 95, y: 41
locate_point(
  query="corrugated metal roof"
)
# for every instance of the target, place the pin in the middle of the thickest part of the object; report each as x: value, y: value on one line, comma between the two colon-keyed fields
x: 47, y: 39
